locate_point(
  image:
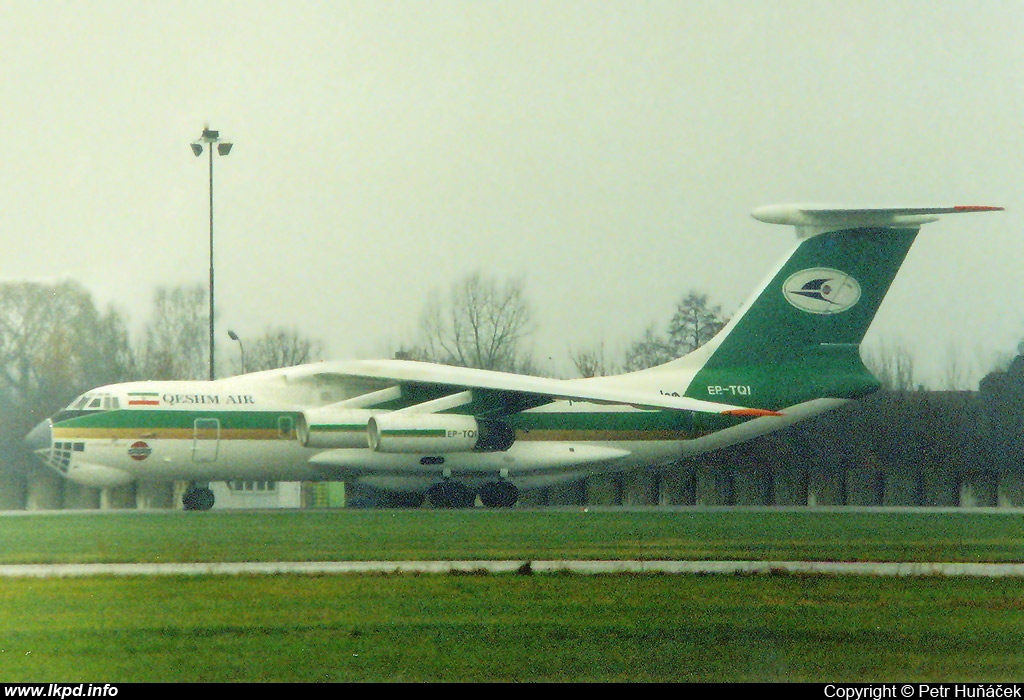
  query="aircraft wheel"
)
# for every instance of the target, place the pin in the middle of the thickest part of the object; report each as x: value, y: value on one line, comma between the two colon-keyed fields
x: 199, y: 498
x: 451, y: 494
x: 499, y: 494
x: 404, y: 499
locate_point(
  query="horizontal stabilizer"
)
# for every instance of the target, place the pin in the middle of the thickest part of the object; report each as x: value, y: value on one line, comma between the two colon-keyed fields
x: 812, y: 219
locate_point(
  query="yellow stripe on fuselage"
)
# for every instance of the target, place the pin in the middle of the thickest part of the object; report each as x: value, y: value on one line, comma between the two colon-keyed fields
x: 538, y: 435
x: 166, y: 434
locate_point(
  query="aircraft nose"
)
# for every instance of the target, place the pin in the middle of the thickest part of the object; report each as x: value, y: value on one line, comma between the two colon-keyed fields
x: 41, y: 436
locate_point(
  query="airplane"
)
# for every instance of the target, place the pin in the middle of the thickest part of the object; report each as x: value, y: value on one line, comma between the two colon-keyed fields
x: 417, y: 431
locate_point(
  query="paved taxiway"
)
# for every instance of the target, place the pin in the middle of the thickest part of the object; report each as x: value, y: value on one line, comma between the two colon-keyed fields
x: 514, y: 566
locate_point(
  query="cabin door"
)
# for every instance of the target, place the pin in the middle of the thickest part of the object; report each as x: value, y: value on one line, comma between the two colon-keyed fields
x: 205, y: 439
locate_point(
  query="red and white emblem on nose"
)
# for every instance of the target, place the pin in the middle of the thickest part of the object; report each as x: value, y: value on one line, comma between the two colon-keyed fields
x: 139, y: 450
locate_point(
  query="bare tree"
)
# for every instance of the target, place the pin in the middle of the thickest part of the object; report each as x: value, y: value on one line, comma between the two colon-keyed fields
x: 954, y: 373
x: 1002, y: 395
x: 649, y: 351
x: 482, y: 324
x: 54, y: 345
x: 893, y: 367
x: 694, y: 323
x: 591, y: 362
x: 278, y: 347
x: 175, y: 345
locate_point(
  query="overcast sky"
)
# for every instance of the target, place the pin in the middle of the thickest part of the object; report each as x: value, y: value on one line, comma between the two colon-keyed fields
x: 607, y: 152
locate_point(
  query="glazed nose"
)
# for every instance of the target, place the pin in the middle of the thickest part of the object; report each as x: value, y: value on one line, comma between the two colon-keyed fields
x: 41, y: 436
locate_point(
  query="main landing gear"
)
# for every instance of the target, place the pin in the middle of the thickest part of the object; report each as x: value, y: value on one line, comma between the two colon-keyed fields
x: 499, y: 494
x: 197, y: 497
x: 453, y: 494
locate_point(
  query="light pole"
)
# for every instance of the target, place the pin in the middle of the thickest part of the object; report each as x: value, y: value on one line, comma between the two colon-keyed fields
x: 241, y: 348
x: 211, y: 137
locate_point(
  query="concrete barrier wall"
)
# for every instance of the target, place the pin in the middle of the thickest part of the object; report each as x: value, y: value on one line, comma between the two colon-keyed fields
x: 826, y: 488
x: 715, y: 487
x: 678, y: 486
x: 1011, y: 490
x: 12, y: 491
x: 941, y: 489
x: 604, y: 490
x: 155, y: 496
x: 641, y: 489
x: 685, y: 484
x: 790, y: 487
x: 721, y: 486
x: 902, y: 488
x: 979, y: 490
x: 78, y: 497
x: 753, y: 488
x: 572, y: 494
x: 44, y: 490
x: 119, y: 498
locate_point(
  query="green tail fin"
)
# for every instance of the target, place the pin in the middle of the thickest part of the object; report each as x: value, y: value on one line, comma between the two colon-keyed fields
x: 799, y: 338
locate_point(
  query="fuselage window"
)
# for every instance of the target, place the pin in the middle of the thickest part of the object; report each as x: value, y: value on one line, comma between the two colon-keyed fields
x: 285, y: 427
x: 265, y: 486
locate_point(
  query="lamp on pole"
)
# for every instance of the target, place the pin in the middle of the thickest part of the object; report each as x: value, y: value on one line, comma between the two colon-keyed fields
x: 210, y: 137
x: 241, y: 348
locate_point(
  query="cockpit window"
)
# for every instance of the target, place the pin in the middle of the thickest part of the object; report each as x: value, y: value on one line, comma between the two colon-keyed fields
x: 88, y: 404
x: 94, y: 402
x: 79, y: 403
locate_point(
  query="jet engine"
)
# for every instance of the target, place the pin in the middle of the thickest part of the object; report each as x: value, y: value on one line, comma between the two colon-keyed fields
x: 437, y: 433
x: 327, y: 427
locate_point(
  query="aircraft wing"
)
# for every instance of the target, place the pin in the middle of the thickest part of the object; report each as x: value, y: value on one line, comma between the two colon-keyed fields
x: 520, y: 391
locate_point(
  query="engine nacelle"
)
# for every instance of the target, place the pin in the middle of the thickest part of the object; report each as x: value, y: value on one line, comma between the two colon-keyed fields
x: 436, y: 433
x: 327, y: 427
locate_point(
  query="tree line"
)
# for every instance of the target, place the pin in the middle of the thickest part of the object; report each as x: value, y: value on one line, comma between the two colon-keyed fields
x: 56, y: 344
x: 485, y: 324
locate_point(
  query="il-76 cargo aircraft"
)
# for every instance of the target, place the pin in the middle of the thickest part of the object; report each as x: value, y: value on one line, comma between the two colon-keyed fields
x: 415, y: 430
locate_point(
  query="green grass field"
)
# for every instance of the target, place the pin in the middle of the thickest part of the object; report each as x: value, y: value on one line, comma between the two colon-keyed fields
x: 347, y: 535
x: 508, y: 627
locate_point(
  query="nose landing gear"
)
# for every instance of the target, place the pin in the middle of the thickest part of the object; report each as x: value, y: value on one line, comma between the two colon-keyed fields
x: 197, y: 498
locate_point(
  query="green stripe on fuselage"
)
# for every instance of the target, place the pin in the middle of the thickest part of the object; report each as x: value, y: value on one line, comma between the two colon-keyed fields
x: 338, y: 428
x: 156, y: 419
x: 414, y: 433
